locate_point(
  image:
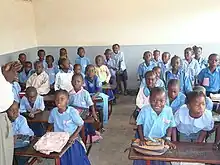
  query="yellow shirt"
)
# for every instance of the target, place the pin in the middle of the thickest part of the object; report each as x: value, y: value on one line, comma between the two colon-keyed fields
x: 103, y: 73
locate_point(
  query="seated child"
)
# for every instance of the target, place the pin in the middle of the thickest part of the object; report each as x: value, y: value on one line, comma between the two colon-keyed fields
x: 16, y: 90
x: 151, y: 124
x: 64, y: 76
x: 81, y: 59
x: 39, y: 80
x: 80, y: 98
x: 177, y: 73
x: 156, y: 55
x: 147, y: 65
x: 193, y: 120
x: 164, y: 64
x: 175, y: 98
x: 30, y: 105
x: 22, y: 58
x: 25, y: 74
x: 210, y: 77
x: 198, y: 56
x: 78, y: 70
x: 41, y: 55
x: 208, y: 101
x: 63, y: 54
x: 64, y: 118
x: 51, y: 70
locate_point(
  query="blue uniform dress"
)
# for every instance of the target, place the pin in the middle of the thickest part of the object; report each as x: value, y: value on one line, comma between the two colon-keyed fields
x: 83, y: 61
x: 82, y: 99
x: 26, y: 106
x: 16, y: 90
x: 177, y: 102
x: 68, y: 121
x: 164, y: 68
x: 93, y: 86
x: 185, y: 82
x: 143, y: 68
x: 154, y: 126
x: 52, y: 73
x: 23, y: 77
x: 209, y: 104
x: 212, y: 84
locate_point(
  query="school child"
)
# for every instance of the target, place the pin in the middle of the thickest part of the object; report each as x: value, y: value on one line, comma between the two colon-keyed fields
x: 63, y: 53
x: 81, y: 59
x: 39, y: 80
x: 190, y: 65
x: 177, y: 73
x: 80, y: 98
x: 121, y: 73
x: 159, y: 82
x: 78, y: 70
x: 61, y: 114
x: 198, y: 56
x: 51, y: 70
x: 156, y: 55
x: 151, y: 122
x: 210, y: 77
x: 41, y: 55
x: 193, y: 120
x: 208, y: 101
x: 64, y: 76
x: 164, y: 64
x: 25, y: 74
x: 30, y: 105
x: 94, y: 86
x: 175, y: 98
x: 22, y: 58
x: 16, y: 90
x: 147, y: 65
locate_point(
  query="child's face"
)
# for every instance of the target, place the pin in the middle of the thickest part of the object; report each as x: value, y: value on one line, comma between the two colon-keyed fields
x: 22, y: 59
x: 27, y: 67
x: 61, y: 101
x: 156, y: 55
x: 91, y: 72
x: 188, y: 55
x: 116, y: 49
x: 147, y: 57
x: 63, y: 52
x: 81, y: 52
x: 150, y: 81
x: 165, y: 58
x: 13, y: 111
x: 176, y: 64
x: 213, y: 61
x: 66, y: 64
x: 99, y: 61
x: 39, y: 68
x: 173, y: 91
x: 197, y: 106
x: 198, y: 52
x: 108, y: 55
x: 31, y: 97
x: 77, y: 82
x: 77, y: 69
x: 41, y: 55
x: 157, y: 72
x: 49, y: 60
x: 158, y: 101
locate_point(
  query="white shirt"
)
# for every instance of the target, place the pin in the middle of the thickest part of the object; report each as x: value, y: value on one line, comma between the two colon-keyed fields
x: 141, y: 99
x: 7, y: 96
x: 191, y: 69
x: 63, y: 81
x: 120, y: 58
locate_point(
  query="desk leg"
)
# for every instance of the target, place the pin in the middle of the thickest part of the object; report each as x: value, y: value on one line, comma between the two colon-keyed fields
x: 148, y: 162
x: 57, y: 161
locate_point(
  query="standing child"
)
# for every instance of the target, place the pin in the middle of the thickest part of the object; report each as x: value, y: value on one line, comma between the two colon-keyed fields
x: 210, y: 77
x: 78, y: 70
x: 64, y: 76
x: 147, y: 65
x: 39, y: 80
x: 156, y: 55
x: 51, y: 70
x: 176, y: 73
x: 63, y: 53
x: 151, y: 122
x: 121, y: 74
x: 30, y: 105
x: 81, y: 59
x: 198, y: 56
x: 66, y: 119
x: 164, y: 65
x: 41, y: 55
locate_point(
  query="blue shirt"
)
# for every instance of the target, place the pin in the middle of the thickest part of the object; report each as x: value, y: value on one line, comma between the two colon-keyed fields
x: 155, y: 126
x: 202, y: 63
x: 16, y: 90
x: 83, y: 61
x: 67, y: 121
x: 143, y: 68
x: 80, y: 99
x: 177, y: 102
x: 93, y: 85
x: 20, y: 126
x: 52, y: 73
x: 156, y: 62
x: 209, y: 104
x: 164, y: 68
x: 23, y: 77
x: 25, y: 105
x: 213, y: 78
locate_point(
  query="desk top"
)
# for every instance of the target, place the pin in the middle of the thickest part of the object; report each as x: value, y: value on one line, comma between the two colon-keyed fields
x: 30, y: 151
x: 108, y: 86
x: 185, y: 152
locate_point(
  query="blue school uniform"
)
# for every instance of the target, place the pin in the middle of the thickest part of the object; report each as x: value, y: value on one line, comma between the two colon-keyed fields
x: 202, y: 63
x: 154, y: 126
x: 68, y: 121
x: 191, y: 69
x: 25, y: 106
x: 156, y: 62
x: 185, y: 82
x: 52, y: 73
x: 23, y: 77
x: 213, y: 85
x: 83, y: 61
x: 209, y: 104
x: 177, y: 102
x: 143, y: 68
x: 164, y: 68
x: 16, y: 90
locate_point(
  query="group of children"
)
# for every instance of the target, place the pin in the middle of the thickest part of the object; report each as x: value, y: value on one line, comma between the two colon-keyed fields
x: 173, y: 100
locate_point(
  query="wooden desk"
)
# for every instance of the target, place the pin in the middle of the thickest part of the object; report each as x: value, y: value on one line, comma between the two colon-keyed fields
x: 40, y: 117
x: 31, y: 152
x: 185, y: 152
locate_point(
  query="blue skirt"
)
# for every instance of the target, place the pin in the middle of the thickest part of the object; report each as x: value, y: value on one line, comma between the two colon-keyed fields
x: 75, y: 155
x: 110, y: 94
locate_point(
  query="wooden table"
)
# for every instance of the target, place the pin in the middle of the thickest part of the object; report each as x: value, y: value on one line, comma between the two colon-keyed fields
x: 185, y: 152
x: 29, y: 151
x: 40, y: 117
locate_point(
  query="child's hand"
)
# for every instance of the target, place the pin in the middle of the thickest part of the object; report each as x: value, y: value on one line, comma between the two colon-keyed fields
x: 142, y: 142
x: 170, y: 144
x: 31, y: 115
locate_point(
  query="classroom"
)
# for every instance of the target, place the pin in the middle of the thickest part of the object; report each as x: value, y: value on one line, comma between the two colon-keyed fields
x: 110, y: 82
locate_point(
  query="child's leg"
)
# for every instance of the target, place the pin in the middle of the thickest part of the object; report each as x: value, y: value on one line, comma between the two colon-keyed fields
x: 118, y: 80
x: 125, y: 78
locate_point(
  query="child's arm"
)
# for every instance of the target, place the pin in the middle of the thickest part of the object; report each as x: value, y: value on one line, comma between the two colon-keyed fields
x: 202, y: 136
x: 93, y: 112
x: 141, y: 135
x: 174, y: 133
x: 75, y: 134
x: 49, y: 127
